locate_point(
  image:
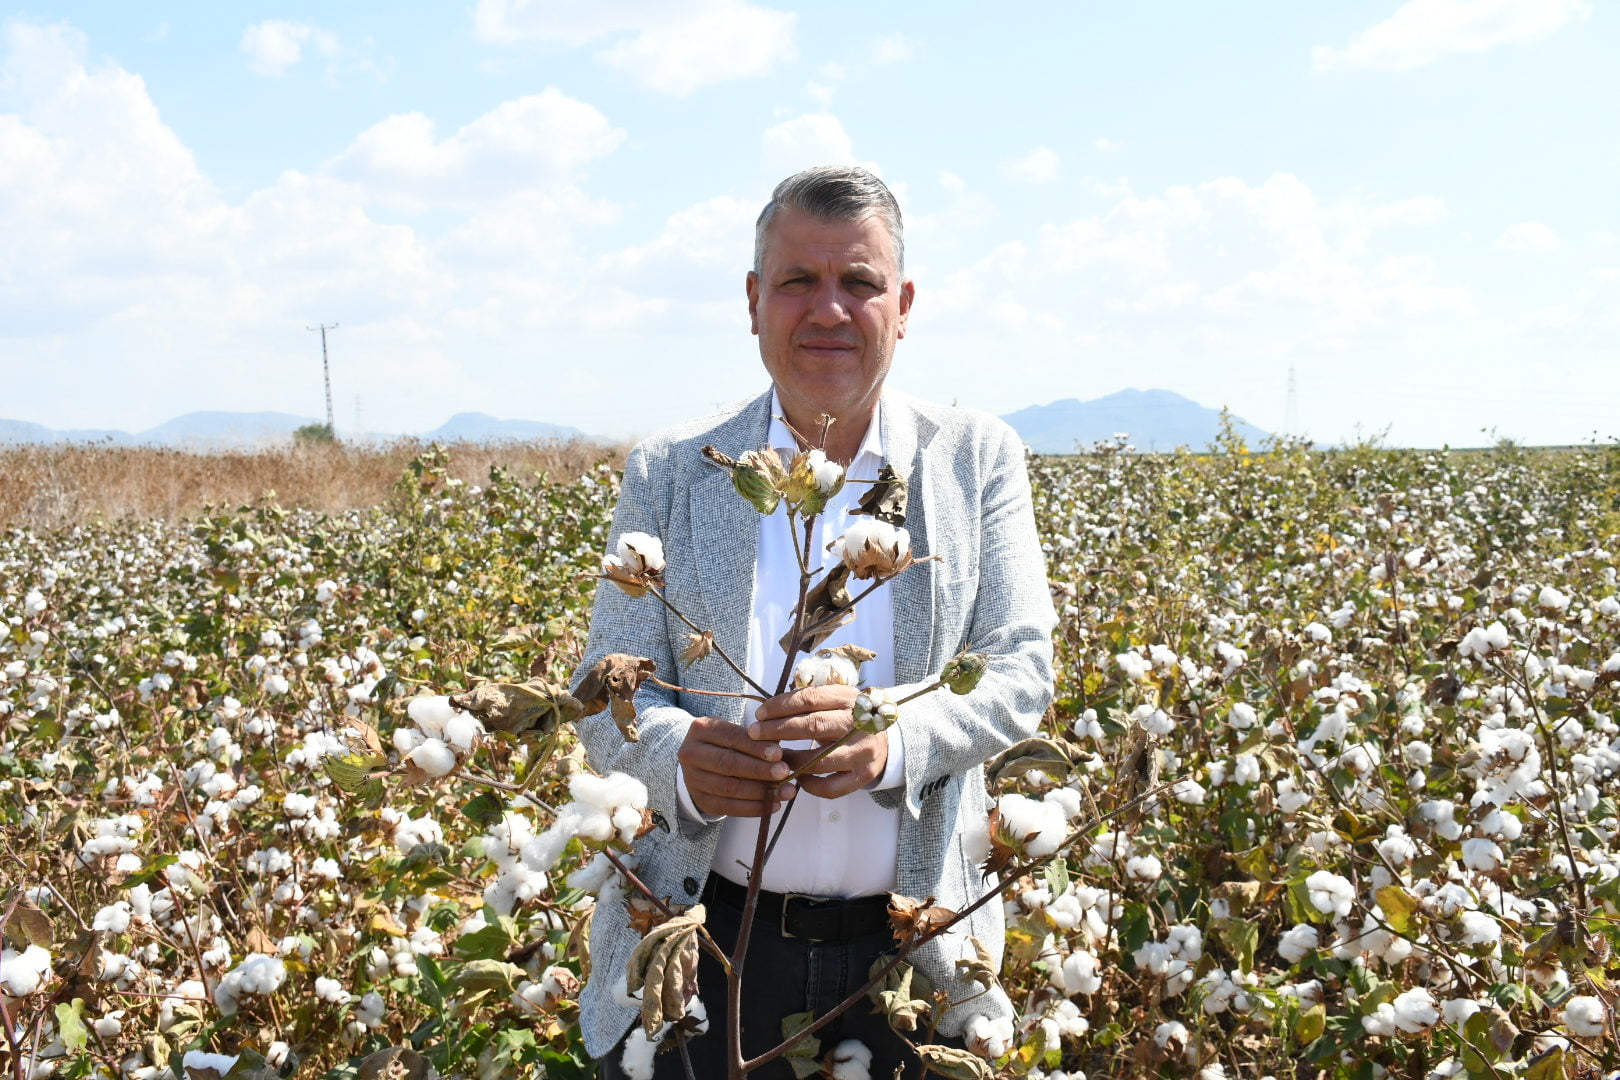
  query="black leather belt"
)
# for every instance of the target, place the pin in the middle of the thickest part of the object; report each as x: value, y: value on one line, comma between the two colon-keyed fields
x: 810, y: 918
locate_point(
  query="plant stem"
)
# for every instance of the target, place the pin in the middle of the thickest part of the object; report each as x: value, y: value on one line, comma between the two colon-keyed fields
x: 708, y: 693
x: 718, y: 651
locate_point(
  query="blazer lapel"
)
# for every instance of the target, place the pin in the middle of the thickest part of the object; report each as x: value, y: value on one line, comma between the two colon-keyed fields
x: 726, y: 539
x: 904, y: 440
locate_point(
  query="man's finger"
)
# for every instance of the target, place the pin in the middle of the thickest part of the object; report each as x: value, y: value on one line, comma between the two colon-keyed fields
x: 810, y: 699
x: 706, y: 730
x: 837, y: 785
x: 824, y: 726
x: 734, y: 797
x: 724, y: 761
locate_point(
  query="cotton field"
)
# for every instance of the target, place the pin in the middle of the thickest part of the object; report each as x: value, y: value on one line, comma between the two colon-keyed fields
x: 1331, y: 779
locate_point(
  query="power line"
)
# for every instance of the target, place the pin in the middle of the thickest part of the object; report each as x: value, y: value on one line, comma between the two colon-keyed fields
x: 326, y: 367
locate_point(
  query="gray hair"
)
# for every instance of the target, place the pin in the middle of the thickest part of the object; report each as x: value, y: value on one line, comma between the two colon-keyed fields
x: 834, y: 193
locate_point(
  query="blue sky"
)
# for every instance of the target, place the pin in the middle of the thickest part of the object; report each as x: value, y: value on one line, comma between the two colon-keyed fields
x: 543, y: 209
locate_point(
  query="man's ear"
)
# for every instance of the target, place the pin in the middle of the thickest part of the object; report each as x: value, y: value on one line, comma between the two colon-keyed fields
x: 908, y: 293
x: 752, y: 288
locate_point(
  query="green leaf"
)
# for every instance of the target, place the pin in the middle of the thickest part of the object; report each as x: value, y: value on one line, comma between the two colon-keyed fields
x: 1310, y: 1025
x: 477, y: 975
x: 805, y: 1055
x: 485, y: 809
x: 1398, y: 906
x: 1549, y: 1066
x: 146, y: 874
x: 1057, y: 877
x: 435, y: 987
x: 352, y: 772
x: 70, y: 1025
x: 956, y: 1064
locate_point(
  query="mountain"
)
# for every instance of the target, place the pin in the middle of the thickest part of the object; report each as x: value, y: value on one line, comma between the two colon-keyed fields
x: 225, y: 429
x: 24, y: 431
x: 1154, y: 420
x: 482, y: 427
x: 246, y: 430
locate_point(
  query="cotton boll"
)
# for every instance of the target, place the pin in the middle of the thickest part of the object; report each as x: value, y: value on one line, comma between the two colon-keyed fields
x: 1298, y: 942
x: 431, y: 714
x: 461, y: 730
x: 197, y: 1059
x: 986, y: 1037
x: 433, y: 757
x: 1144, y: 868
x: 1242, y: 716
x: 1416, y: 1011
x: 22, y: 973
x: 637, y: 1061
x: 1330, y: 893
x: 851, y: 1060
x: 1381, y: 1021
x: 114, y: 918
x: 1585, y: 1016
x: 825, y: 671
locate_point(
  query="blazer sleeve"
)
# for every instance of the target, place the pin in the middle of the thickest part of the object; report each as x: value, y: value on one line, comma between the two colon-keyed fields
x: 946, y: 734
x: 638, y: 625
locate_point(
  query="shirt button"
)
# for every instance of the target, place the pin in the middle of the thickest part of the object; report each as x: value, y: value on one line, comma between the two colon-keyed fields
x: 833, y: 816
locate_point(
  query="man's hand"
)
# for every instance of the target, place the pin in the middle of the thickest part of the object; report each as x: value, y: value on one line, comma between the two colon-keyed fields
x: 822, y: 713
x: 729, y: 773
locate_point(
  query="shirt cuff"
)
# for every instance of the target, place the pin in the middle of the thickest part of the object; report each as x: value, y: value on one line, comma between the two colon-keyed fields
x: 894, y: 770
x: 688, y: 808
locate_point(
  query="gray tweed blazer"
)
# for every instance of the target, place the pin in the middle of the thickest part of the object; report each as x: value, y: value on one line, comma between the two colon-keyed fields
x: 970, y: 504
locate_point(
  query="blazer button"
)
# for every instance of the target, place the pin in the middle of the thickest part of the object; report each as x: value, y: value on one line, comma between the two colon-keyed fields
x: 690, y: 885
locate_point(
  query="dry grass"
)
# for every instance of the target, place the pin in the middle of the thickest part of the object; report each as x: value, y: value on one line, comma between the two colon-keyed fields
x: 48, y: 487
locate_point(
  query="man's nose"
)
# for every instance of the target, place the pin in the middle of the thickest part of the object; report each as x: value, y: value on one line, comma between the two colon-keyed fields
x: 829, y: 308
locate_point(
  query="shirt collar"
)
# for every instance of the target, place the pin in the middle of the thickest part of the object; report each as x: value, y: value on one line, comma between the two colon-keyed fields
x: 780, y: 438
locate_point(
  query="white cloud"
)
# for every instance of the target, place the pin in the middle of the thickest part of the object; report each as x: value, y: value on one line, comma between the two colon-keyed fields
x: 1108, y: 146
x: 274, y: 47
x: 1423, y: 31
x: 1039, y: 166
x: 894, y: 49
x: 811, y: 139
x: 671, y: 46
x: 1528, y: 238
x: 528, y: 141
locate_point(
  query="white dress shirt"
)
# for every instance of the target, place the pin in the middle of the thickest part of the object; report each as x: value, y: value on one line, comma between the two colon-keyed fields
x: 829, y: 847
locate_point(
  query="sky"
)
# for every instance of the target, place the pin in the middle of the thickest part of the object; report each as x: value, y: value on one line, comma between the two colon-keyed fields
x: 543, y: 209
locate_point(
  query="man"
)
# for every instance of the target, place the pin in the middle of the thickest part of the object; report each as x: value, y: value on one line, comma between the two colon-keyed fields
x: 828, y: 299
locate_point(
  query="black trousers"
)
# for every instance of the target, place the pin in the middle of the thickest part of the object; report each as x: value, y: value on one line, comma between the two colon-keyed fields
x: 782, y: 976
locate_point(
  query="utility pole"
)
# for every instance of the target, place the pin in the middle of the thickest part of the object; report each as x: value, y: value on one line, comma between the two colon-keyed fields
x: 326, y: 366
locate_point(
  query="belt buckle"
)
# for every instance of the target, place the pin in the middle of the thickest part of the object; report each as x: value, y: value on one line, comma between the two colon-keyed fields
x: 787, y: 899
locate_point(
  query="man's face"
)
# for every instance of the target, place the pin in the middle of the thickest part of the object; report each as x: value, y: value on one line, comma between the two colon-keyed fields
x: 828, y: 305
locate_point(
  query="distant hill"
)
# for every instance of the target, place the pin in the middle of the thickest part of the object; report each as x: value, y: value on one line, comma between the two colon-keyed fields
x: 235, y: 429
x: 482, y: 427
x: 1154, y: 420
x: 245, y: 430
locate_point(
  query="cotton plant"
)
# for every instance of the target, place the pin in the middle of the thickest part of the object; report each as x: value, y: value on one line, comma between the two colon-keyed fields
x: 1477, y: 829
